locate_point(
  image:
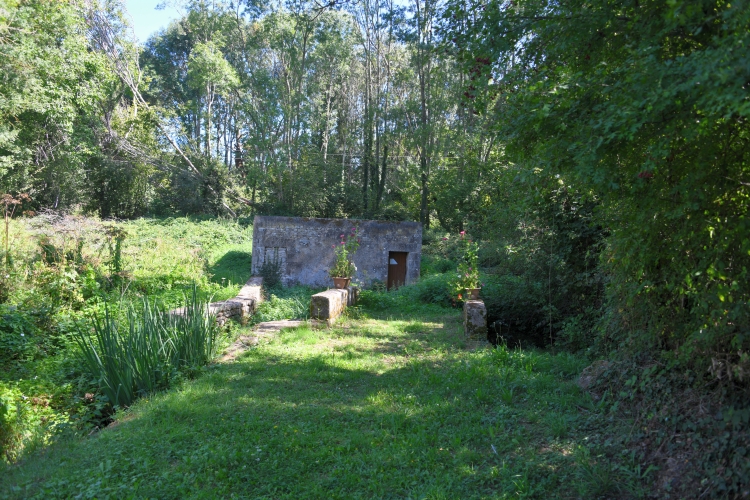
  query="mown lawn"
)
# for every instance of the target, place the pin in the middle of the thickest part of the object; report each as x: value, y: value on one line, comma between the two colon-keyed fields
x: 377, y: 407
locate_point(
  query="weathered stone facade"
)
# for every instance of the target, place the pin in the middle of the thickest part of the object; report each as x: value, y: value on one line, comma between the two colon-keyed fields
x: 304, y: 247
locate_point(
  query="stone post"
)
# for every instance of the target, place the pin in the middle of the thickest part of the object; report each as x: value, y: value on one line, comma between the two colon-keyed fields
x: 329, y: 305
x: 475, y: 320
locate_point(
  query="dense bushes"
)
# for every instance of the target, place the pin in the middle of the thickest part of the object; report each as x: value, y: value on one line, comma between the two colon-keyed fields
x: 18, y: 337
x: 10, y: 433
x: 542, y: 281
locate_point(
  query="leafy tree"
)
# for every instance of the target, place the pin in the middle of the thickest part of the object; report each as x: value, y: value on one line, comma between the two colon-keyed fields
x: 212, y: 75
x: 50, y: 86
x: 644, y: 104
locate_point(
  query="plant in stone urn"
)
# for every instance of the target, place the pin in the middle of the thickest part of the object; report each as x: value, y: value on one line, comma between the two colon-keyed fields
x: 343, y: 268
x: 467, y: 274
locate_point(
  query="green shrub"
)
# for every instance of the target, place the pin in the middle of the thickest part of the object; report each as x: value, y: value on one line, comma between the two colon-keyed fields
x: 579, y: 333
x: 378, y: 299
x: 435, y: 289
x: 435, y: 265
x: 521, y: 305
x: 17, y: 337
x: 438, y: 244
x: 432, y: 289
x: 270, y: 271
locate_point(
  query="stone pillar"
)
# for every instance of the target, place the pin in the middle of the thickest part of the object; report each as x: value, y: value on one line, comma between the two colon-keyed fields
x: 475, y: 320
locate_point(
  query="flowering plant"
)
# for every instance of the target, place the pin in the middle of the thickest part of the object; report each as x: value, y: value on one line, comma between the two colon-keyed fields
x: 467, y: 275
x: 343, y: 265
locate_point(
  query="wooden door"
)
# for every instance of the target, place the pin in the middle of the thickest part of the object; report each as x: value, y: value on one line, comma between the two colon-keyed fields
x: 396, y: 269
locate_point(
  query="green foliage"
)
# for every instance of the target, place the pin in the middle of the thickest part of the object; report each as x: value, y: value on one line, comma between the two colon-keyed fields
x: 639, y: 108
x: 435, y: 289
x: 343, y: 264
x: 435, y: 265
x: 708, y: 432
x: 17, y: 337
x: 142, y: 358
x: 659, y: 161
x: 52, y: 390
x: 115, y: 237
x: 10, y: 423
x: 467, y: 274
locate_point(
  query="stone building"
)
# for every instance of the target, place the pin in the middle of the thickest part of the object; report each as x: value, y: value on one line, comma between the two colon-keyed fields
x: 389, y: 252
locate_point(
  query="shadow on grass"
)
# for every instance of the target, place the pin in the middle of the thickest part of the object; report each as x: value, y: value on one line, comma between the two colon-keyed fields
x: 281, y: 424
x: 234, y: 266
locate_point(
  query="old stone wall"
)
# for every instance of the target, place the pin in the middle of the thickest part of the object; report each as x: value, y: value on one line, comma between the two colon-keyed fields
x: 304, y: 247
x: 241, y: 306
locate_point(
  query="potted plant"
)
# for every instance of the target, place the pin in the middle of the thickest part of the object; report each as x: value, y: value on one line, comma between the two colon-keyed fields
x: 467, y: 277
x: 343, y: 268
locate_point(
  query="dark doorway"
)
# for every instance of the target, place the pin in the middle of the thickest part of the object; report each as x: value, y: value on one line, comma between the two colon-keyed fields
x: 396, y: 269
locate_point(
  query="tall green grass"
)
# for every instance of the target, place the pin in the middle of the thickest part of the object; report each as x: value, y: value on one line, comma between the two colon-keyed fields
x: 141, y: 358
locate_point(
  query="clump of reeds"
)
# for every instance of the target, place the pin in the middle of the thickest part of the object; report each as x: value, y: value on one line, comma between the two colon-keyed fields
x: 143, y: 356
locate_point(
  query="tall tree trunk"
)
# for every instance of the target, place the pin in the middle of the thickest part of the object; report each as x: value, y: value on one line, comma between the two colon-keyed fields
x: 423, y: 73
x: 209, y: 103
x: 366, y: 154
x: 383, y: 170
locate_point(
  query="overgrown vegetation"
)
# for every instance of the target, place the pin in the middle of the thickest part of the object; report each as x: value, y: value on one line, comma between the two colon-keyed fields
x: 70, y: 273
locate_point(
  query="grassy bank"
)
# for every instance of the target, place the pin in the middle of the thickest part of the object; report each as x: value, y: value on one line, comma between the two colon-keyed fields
x: 386, y: 405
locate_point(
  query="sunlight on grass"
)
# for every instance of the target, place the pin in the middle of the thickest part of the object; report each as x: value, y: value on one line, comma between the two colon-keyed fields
x: 371, y: 408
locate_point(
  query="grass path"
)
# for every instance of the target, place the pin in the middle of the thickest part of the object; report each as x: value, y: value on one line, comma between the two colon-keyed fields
x: 373, y: 408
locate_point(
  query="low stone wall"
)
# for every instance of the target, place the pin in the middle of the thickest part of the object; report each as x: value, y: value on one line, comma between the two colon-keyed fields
x: 475, y: 320
x: 242, y: 306
x: 330, y: 304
